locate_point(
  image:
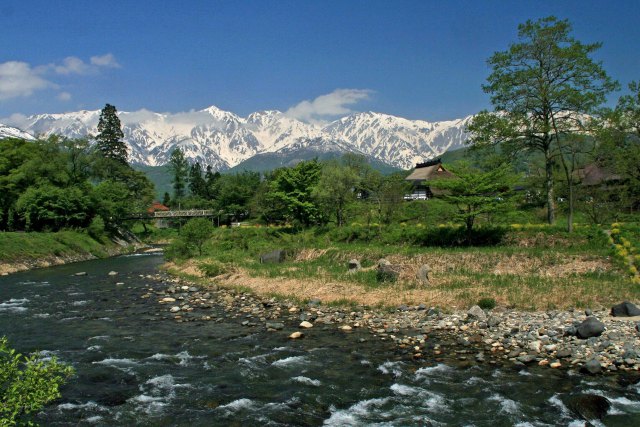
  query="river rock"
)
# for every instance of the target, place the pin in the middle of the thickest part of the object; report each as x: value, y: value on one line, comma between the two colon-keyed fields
x: 591, y: 327
x: 476, y: 313
x: 306, y: 324
x: 167, y: 299
x: 296, y: 335
x: 346, y: 328
x: 625, y: 309
x: 354, y: 265
x: 275, y: 325
x: 589, y: 406
x: 113, y: 273
x: 81, y: 273
x: 174, y: 309
x: 274, y: 257
x: 592, y: 367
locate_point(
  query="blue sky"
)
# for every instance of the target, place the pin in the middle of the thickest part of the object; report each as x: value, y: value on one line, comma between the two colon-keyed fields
x: 317, y: 59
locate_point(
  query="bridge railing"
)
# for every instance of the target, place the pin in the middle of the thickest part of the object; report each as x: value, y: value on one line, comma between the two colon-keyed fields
x: 183, y: 213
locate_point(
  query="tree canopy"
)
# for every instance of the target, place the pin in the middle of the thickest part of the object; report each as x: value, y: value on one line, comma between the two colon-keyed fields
x: 542, y: 88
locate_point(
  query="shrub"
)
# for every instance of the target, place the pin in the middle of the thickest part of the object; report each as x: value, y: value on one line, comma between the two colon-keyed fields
x: 487, y: 303
x: 96, y: 228
x: 27, y: 383
x: 212, y: 269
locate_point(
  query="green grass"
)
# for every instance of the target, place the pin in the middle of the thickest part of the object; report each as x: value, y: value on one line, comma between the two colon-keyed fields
x: 535, y: 267
x: 16, y: 247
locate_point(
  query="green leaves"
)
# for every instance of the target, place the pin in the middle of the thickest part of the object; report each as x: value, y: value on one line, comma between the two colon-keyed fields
x: 27, y: 383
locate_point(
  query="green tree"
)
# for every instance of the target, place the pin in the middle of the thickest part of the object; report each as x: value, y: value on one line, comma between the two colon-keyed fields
x: 27, y: 383
x: 197, y: 184
x: 179, y: 167
x: 618, y: 132
x: 292, y: 188
x: 336, y: 189
x: 475, y: 192
x: 196, y: 232
x: 53, y: 208
x: 235, y: 193
x: 541, y: 89
x: 109, y: 140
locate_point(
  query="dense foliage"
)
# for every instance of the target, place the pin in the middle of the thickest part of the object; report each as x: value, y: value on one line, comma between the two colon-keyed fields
x: 27, y: 383
x: 56, y: 184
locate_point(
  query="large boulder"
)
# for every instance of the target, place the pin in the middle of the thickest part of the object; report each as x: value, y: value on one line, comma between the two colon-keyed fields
x: 588, y: 406
x: 273, y: 257
x: 625, y: 309
x: 591, y: 327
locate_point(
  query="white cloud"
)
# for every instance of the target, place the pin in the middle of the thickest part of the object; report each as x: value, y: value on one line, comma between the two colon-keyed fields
x: 18, y: 79
x: 64, y: 96
x: 329, y: 105
x: 17, y: 120
x: 71, y: 65
x: 106, y: 60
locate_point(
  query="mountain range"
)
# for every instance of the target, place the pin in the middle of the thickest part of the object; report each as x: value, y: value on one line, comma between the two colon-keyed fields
x: 225, y: 140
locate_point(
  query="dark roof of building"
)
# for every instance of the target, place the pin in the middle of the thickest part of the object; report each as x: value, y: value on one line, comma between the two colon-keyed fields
x: 429, y: 171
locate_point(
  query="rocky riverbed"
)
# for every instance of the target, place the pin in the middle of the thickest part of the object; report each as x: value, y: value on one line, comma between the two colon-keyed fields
x: 498, y: 336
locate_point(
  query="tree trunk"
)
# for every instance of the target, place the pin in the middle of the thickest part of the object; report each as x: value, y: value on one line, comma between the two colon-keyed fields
x: 550, y: 193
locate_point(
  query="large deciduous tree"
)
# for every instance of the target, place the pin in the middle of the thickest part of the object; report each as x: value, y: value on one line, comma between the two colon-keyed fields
x: 542, y: 88
x: 109, y: 140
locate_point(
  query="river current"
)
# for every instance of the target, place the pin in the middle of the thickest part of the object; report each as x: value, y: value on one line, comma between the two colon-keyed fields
x: 136, y: 366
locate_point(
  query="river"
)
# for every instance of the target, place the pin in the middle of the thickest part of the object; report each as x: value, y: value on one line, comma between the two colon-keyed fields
x: 136, y: 366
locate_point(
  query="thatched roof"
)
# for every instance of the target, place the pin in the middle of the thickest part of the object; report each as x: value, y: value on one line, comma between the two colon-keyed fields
x: 429, y: 171
x: 595, y: 175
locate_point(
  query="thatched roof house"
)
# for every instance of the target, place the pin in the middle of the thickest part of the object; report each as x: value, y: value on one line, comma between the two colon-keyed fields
x: 420, y: 177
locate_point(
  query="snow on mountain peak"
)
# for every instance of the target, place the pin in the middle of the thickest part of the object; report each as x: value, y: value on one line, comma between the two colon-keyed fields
x: 223, y: 139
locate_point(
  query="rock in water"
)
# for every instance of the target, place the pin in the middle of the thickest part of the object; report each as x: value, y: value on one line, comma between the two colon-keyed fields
x: 113, y: 273
x: 296, y: 335
x: 589, y: 406
x: 625, y: 309
x: 591, y: 327
x: 306, y: 325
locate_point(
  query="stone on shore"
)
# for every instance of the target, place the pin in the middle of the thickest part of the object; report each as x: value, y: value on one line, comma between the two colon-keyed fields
x: 306, y: 325
x: 591, y: 327
x: 476, y: 313
x: 592, y: 367
x: 625, y: 309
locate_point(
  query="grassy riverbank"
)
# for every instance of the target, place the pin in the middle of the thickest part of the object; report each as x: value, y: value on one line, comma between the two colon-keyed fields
x: 23, y: 251
x: 532, y: 268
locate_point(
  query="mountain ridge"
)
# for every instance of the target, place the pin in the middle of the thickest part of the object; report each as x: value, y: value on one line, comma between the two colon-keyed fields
x: 223, y: 139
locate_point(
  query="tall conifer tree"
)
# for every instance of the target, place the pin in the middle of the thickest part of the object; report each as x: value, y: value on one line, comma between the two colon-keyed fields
x: 110, y: 135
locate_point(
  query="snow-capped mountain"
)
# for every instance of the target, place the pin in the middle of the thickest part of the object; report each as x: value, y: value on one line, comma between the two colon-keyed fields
x: 11, y: 132
x: 222, y: 139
